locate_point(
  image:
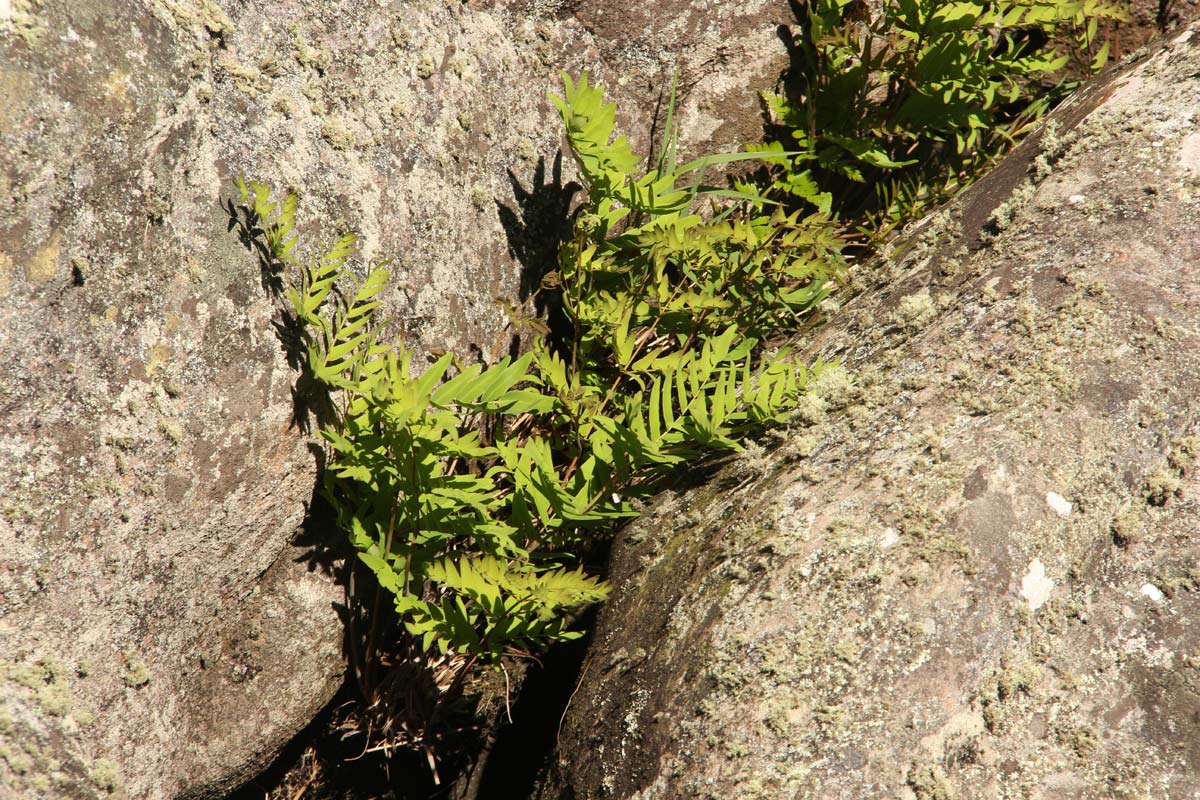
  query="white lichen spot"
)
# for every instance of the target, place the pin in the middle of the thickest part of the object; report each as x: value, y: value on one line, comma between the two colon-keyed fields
x: 1035, y: 586
x: 1061, y: 505
x: 1153, y: 592
x: 1076, y: 200
x: 889, y: 538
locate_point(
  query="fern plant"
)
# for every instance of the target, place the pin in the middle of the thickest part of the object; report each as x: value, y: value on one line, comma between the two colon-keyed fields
x: 475, y: 538
x: 645, y: 277
x: 468, y: 489
x: 422, y: 498
x: 893, y: 107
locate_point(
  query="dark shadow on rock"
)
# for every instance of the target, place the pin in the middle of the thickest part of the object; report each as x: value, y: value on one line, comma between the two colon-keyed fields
x: 323, y: 547
x: 799, y: 60
x: 322, y: 763
x: 310, y: 400
x: 341, y: 755
x: 536, y: 229
x: 251, y: 233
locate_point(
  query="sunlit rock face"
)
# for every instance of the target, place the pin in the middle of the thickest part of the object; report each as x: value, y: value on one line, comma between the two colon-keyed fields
x: 160, y: 634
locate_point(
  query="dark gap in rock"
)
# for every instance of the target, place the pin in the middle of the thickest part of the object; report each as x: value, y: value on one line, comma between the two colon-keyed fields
x: 523, y: 748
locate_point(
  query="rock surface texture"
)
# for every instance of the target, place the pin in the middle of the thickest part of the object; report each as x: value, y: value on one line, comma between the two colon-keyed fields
x: 976, y: 575
x: 160, y: 636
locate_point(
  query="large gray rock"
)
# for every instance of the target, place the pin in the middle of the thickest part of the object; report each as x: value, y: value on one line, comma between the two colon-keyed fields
x: 976, y: 575
x: 159, y: 635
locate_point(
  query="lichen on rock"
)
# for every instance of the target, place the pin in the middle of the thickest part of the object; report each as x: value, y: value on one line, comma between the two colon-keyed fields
x: 978, y: 585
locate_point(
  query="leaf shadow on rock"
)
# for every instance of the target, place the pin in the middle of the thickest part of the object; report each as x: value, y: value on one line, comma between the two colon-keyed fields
x: 310, y: 400
x: 323, y: 750
x: 536, y: 228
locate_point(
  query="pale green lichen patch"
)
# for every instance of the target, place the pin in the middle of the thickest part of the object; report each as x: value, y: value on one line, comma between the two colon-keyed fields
x: 20, y: 763
x: 836, y: 387
x: 1004, y: 214
x: 1184, y: 454
x: 426, y: 66
x: 22, y: 17
x: 136, y: 673
x: 915, y: 311
x: 199, y: 16
x: 1128, y: 527
x: 172, y: 430
x: 928, y: 782
x: 49, y: 682
x: 39, y: 734
x: 338, y: 134
x: 1162, y: 485
x: 809, y: 410
x: 247, y: 78
x: 55, y: 699
x: 106, y: 776
x: 1021, y: 677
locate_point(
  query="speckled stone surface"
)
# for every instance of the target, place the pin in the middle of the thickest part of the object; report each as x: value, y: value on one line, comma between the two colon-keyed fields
x: 159, y: 635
